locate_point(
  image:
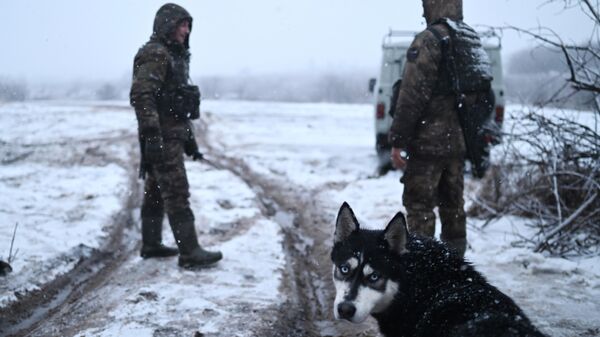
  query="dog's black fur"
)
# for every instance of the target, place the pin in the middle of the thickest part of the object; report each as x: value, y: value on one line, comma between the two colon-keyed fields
x: 439, y: 294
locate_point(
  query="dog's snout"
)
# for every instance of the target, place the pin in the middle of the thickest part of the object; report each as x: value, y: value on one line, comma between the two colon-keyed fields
x: 346, y: 310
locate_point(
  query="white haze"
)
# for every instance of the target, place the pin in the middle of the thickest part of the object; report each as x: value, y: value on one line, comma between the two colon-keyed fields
x: 68, y: 40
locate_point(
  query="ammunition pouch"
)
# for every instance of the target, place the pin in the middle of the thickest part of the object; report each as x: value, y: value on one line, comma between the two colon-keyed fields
x: 182, y: 103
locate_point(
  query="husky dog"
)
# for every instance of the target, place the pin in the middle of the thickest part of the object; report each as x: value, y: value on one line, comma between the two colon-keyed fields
x: 415, y: 286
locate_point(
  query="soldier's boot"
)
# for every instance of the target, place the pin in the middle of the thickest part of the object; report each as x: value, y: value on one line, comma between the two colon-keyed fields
x: 421, y: 222
x: 454, y: 229
x: 152, y: 245
x: 191, y: 254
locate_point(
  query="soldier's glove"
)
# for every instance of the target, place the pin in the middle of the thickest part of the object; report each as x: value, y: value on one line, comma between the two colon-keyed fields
x: 191, y: 149
x: 153, y: 147
x: 193, y: 152
x: 198, y: 156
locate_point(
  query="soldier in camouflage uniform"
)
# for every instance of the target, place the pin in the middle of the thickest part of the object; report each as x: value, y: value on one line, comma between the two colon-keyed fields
x: 160, y: 72
x: 426, y: 134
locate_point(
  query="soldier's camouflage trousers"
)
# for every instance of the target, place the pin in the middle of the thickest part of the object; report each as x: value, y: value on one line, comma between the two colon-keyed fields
x: 431, y: 183
x: 166, y: 187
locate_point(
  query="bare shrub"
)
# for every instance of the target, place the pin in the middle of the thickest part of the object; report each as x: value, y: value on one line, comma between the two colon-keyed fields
x: 548, y: 168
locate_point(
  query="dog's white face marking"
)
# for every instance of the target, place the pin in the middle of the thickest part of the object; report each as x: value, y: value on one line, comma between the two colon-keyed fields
x: 365, y: 301
x: 374, y: 297
x: 391, y: 288
x: 370, y: 301
x: 347, y: 268
x: 353, y: 262
x: 341, y: 289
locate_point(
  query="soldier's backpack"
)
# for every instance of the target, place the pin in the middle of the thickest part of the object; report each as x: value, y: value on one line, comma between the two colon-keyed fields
x: 466, y: 70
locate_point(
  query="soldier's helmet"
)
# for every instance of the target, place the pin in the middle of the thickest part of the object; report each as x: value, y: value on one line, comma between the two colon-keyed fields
x: 167, y: 18
x: 433, y: 10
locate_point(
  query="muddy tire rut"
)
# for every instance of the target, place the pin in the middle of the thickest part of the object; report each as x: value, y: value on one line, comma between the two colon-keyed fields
x: 308, y: 232
x: 31, y: 309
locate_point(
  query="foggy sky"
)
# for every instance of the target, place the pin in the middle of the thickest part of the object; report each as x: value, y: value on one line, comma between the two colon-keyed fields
x: 96, y: 40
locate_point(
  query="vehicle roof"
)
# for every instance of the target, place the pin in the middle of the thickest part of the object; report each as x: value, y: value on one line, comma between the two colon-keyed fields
x: 402, y: 39
x: 405, y: 45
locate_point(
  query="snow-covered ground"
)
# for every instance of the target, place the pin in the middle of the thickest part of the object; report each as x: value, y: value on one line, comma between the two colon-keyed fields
x: 63, y: 200
x: 55, y: 188
x: 65, y: 173
x: 158, y: 298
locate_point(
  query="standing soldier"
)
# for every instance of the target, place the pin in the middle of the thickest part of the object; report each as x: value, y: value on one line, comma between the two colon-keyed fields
x: 426, y: 133
x: 164, y: 103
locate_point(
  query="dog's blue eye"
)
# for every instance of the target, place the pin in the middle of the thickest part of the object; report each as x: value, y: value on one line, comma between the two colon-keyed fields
x: 344, y: 269
x: 374, y: 277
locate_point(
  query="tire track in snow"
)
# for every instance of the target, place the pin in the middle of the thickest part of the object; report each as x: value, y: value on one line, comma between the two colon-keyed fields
x: 23, y: 316
x: 308, y: 234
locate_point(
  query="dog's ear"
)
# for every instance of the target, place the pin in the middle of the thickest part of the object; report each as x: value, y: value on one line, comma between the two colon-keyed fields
x: 396, y: 234
x: 345, y: 224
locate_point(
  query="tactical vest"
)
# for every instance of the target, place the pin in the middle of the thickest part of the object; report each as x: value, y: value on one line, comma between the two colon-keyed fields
x: 463, y: 51
x: 178, y: 97
x: 178, y: 74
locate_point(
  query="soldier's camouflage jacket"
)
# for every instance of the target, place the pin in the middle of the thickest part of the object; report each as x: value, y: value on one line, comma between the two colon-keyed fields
x: 425, y: 123
x: 160, y: 66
